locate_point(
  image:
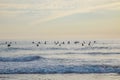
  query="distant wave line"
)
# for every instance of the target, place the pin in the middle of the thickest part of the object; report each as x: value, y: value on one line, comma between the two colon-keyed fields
x: 94, y: 53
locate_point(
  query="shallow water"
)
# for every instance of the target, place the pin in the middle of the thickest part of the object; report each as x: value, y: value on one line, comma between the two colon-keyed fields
x: 60, y: 77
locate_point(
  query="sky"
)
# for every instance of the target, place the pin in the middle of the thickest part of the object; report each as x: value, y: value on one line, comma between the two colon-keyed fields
x: 59, y: 19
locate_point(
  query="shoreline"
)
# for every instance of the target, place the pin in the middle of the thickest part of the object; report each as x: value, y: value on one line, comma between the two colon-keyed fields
x: 110, y: 76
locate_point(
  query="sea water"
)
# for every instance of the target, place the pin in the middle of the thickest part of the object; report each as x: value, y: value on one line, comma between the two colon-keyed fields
x: 60, y: 57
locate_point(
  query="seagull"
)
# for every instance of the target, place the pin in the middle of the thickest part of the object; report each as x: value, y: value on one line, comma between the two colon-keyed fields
x: 82, y: 44
x: 37, y: 45
x: 9, y: 45
x: 76, y: 42
x: 68, y: 42
x: 56, y: 42
x: 33, y: 42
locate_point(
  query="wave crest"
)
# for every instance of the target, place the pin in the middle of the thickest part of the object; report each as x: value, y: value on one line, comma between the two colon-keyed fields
x: 62, y: 69
x: 19, y: 59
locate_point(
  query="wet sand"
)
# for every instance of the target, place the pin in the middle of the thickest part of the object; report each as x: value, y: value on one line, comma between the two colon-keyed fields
x: 59, y: 77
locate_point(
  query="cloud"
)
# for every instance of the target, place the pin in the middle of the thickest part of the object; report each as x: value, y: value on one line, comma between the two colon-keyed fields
x: 10, y: 8
x: 54, y: 8
x: 20, y: 18
x: 49, y: 4
x: 59, y: 14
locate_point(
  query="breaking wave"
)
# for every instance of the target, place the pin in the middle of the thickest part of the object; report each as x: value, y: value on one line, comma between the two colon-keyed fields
x: 62, y: 69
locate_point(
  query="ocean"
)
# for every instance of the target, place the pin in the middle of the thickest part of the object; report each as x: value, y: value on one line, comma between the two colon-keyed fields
x: 60, y: 60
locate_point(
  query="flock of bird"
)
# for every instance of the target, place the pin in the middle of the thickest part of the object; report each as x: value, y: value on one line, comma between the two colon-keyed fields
x: 59, y: 43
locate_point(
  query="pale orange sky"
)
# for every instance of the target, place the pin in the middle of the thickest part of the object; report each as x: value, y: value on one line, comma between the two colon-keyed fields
x: 60, y: 19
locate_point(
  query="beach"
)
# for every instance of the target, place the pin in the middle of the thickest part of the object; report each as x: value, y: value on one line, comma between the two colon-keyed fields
x: 60, y: 77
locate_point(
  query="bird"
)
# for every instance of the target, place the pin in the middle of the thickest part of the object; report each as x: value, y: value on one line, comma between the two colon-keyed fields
x: 9, y: 45
x: 59, y: 44
x: 82, y: 44
x: 15, y: 42
x: 10, y: 42
x: 56, y: 42
x: 76, y: 42
x: 38, y: 42
x: 89, y: 43
x: 5, y: 42
x: 63, y: 42
x: 37, y: 45
x: 94, y: 41
x: 68, y: 42
x: 33, y: 42
x: 45, y: 42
